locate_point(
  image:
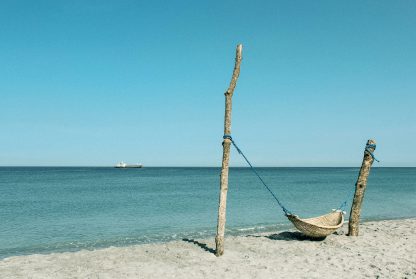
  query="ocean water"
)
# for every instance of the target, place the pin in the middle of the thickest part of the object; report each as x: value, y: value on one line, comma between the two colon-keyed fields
x: 45, y: 209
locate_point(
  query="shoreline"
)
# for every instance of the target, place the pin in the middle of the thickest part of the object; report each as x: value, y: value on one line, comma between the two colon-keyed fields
x: 230, y: 232
x: 384, y: 248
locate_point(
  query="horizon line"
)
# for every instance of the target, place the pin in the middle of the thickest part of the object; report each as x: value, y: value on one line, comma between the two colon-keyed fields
x: 183, y: 166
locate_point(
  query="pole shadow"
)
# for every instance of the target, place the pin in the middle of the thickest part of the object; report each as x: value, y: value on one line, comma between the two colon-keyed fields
x: 201, y: 245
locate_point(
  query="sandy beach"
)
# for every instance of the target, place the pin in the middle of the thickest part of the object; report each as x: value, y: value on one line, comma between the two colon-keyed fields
x: 384, y: 249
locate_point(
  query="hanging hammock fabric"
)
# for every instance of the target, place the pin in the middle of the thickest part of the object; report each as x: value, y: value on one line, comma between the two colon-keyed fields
x: 316, y: 227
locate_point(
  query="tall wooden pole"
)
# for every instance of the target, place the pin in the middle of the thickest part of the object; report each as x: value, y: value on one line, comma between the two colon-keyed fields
x: 360, y: 188
x: 226, y: 144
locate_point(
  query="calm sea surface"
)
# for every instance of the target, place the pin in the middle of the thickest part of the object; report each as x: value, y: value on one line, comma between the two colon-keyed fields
x: 46, y: 210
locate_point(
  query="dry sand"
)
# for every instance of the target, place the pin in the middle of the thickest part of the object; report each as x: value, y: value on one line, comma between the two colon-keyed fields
x: 384, y: 249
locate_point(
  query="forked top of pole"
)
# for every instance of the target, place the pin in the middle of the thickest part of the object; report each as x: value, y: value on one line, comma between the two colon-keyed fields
x: 236, y: 71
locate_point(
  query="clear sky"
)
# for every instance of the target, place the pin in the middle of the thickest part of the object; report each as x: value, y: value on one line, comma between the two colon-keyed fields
x: 96, y: 82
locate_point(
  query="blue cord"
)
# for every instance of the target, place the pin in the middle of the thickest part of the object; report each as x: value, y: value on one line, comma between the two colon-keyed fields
x: 367, y: 149
x: 285, y: 210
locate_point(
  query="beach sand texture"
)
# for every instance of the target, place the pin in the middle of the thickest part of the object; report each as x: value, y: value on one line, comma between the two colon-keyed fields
x: 384, y: 249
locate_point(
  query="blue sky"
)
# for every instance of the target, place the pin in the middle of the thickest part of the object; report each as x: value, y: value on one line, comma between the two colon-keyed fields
x: 96, y: 82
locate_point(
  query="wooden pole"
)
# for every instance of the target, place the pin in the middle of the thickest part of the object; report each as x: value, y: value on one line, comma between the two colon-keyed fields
x: 360, y: 189
x: 226, y: 144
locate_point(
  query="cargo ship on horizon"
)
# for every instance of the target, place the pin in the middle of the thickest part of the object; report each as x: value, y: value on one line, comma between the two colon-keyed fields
x: 123, y: 165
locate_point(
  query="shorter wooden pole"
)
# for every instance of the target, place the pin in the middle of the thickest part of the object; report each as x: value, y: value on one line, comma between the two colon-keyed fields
x: 360, y: 186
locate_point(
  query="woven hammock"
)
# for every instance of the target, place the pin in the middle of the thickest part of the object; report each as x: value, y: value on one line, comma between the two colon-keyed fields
x: 318, y: 227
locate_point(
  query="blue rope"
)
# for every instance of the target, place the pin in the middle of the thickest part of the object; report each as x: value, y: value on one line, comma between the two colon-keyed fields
x: 367, y: 149
x: 343, y: 205
x: 285, y: 210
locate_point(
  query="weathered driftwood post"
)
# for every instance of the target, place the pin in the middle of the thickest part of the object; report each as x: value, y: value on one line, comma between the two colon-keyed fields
x: 226, y: 144
x: 360, y: 188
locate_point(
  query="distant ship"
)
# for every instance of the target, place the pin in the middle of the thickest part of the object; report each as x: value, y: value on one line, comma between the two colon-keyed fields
x: 123, y: 165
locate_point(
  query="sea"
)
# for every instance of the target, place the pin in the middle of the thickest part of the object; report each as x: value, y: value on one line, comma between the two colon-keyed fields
x: 57, y: 209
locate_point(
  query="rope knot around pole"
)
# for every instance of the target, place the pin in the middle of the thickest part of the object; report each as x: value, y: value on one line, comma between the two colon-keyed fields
x: 367, y: 149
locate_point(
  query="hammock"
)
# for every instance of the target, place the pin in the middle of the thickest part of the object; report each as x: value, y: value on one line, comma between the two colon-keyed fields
x: 316, y: 227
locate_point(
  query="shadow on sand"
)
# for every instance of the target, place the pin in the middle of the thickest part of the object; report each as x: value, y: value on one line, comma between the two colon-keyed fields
x: 285, y: 236
x: 289, y: 236
x: 202, y: 245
